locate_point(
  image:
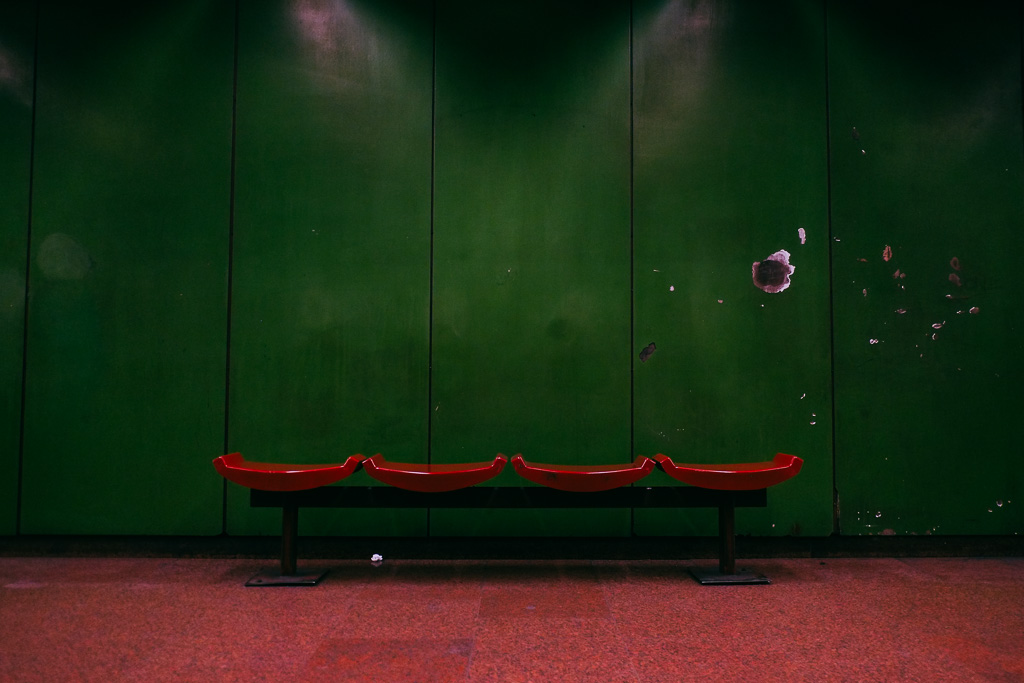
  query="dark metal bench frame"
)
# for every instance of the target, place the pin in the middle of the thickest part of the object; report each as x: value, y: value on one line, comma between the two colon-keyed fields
x: 509, y: 497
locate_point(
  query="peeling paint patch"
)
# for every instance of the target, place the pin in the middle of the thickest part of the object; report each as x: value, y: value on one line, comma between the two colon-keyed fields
x: 901, y: 311
x: 898, y: 275
x: 772, y: 274
x: 872, y: 341
x: 954, y: 263
x: 974, y: 310
x: 887, y: 253
x: 647, y: 352
x: 955, y: 279
x: 802, y: 234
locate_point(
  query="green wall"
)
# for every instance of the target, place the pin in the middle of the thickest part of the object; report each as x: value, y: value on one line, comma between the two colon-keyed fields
x: 446, y: 230
x: 129, y: 252
x: 331, y: 268
x: 928, y: 361
x: 531, y: 270
x: 17, y: 29
x: 730, y: 165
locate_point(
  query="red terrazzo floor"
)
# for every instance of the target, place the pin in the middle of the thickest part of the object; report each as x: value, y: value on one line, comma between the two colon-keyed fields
x: 86, y: 619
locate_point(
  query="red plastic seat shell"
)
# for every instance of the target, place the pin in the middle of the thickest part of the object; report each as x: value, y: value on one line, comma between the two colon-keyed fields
x: 746, y: 476
x: 272, y: 476
x: 433, y: 478
x: 583, y: 478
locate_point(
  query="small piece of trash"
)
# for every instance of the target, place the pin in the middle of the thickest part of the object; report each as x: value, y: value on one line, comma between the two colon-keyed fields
x: 376, y: 560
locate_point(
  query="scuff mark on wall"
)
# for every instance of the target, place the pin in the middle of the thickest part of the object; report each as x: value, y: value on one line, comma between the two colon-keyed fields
x: 62, y: 257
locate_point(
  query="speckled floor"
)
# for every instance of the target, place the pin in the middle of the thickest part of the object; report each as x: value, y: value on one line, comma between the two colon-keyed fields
x: 86, y: 619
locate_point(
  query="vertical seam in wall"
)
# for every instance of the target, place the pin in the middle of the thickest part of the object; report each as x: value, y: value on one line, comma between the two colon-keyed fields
x: 632, y: 272
x: 28, y: 270
x: 430, y: 293
x: 831, y: 276
x: 230, y: 273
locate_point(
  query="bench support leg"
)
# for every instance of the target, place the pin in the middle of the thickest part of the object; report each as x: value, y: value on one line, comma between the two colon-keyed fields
x: 726, y: 575
x: 289, y: 574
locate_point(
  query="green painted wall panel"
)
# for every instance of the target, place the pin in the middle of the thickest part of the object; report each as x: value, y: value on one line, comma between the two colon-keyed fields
x: 730, y: 167
x: 530, y: 336
x: 126, y: 334
x: 927, y: 209
x: 17, y: 42
x: 520, y: 334
x: 331, y: 270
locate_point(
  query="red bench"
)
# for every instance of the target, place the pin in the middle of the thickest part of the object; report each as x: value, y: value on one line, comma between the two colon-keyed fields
x: 412, y: 485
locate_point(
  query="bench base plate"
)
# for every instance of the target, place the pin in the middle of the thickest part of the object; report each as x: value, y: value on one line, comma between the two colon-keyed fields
x: 743, y: 577
x: 269, y: 577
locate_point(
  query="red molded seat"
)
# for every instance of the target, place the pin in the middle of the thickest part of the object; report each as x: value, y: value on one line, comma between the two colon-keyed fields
x: 583, y: 478
x: 745, y: 476
x: 432, y: 478
x: 272, y: 476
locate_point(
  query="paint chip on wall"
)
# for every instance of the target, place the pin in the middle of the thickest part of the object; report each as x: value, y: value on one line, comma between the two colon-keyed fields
x: 772, y: 274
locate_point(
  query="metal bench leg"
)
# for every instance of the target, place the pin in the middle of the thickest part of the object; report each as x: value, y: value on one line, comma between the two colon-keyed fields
x: 289, y: 574
x: 726, y: 574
